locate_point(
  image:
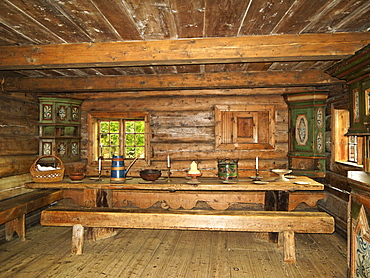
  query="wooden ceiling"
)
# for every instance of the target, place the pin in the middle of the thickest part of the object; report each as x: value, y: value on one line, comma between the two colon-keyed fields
x: 72, y: 46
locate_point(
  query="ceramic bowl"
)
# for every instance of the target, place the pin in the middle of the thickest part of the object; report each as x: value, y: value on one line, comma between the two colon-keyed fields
x: 281, y: 173
x: 76, y: 176
x: 150, y: 175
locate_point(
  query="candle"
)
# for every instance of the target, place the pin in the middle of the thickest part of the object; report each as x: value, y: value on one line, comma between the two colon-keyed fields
x: 168, y: 161
x: 194, y: 168
x: 257, y: 163
x: 99, y: 165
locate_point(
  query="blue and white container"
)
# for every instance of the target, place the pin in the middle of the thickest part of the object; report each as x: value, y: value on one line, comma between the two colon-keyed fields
x: 118, y: 172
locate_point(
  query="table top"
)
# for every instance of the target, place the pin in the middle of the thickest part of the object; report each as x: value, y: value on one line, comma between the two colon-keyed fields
x: 177, y: 184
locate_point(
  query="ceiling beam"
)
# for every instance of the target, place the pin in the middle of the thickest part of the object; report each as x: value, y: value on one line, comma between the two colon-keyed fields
x: 184, y: 51
x: 253, y: 79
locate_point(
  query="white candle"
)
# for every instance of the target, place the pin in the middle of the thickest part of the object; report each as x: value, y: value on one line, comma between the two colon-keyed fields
x: 168, y: 161
x: 99, y: 164
x: 257, y: 163
x: 194, y: 168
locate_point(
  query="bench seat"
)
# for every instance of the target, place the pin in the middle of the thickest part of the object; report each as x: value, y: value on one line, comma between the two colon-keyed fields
x: 284, y: 222
x: 13, y: 210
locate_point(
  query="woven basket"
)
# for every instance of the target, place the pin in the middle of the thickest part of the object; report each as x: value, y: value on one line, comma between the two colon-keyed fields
x: 49, y: 175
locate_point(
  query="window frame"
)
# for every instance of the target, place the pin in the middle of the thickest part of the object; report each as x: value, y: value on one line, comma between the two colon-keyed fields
x: 121, y: 134
x: 226, y: 127
x: 93, y: 132
x: 341, y: 140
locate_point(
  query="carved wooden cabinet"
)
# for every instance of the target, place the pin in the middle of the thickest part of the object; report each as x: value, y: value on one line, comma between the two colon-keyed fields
x: 360, y: 107
x: 355, y: 70
x: 60, y: 128
x: 307, y: 133
x: 358, y: 228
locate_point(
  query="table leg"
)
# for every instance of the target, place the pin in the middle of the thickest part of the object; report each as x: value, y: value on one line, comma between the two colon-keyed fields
x: 98, y: 198
x: 276, y: 201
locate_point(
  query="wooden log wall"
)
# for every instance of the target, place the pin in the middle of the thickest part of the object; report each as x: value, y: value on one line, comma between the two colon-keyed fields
x: 19, y: 115
x: 183, y: 126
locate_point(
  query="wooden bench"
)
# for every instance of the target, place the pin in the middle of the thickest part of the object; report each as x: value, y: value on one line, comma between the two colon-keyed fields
x: 13, y: 210
x: 283, y: 222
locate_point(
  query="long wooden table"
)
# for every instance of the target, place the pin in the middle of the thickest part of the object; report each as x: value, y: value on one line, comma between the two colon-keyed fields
x: 179, y: 193
x: 177, y: 184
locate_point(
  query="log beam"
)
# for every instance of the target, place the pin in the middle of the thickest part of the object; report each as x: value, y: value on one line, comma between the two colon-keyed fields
x: 184, y: 51
x: 221, y: 80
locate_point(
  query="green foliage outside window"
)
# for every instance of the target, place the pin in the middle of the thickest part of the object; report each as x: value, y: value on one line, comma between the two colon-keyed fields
x: 131, y: 143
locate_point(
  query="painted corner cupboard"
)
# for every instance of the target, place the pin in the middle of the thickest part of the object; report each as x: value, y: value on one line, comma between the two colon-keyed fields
x: 356, y: 71
x: 307, y: 134
x: 60, y: 128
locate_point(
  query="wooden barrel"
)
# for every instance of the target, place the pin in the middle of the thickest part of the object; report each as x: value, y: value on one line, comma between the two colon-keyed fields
x: 118, y: 172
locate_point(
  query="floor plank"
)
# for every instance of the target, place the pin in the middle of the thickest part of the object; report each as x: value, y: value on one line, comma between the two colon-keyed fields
x: 170, y: 253
x: 162, y: 257
x: 182, y: 252
x: 200, y: 260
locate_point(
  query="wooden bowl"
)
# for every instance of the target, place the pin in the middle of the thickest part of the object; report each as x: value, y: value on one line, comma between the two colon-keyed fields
x: 76, y: 176
x: 150, y: 175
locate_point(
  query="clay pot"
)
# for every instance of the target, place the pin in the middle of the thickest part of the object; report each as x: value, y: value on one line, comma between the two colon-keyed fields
x: 76, y: 176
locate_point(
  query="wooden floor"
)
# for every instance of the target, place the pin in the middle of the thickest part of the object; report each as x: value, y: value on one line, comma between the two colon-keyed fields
x: 170, y: 253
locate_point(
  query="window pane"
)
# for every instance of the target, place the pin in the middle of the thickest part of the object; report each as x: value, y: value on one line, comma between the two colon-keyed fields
x: 114, y: 139
x: 130, y: 140
x: 130, y: 152
x: 140, y: 127
x: 104, y: 139
x: 114, y: 150
x: 130, y: 127
x: 140, y: 152
x: 114, y: 127
x: 106, y: 152
x: 104, y: 127
x: 140, y: 140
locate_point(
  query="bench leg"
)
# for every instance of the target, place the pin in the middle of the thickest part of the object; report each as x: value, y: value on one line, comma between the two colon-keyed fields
x: 17, y: 225
x: 77, y: 239
x: 289, y: 247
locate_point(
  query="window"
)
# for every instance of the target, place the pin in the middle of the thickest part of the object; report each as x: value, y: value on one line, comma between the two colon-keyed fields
x: 345, y: 148
x: 352, y: 149
x: 112, y: 133
x: 245, y: 126
x: 122, y: 137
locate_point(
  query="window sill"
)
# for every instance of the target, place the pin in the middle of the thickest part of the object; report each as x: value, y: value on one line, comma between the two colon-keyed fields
x: 350, y: 165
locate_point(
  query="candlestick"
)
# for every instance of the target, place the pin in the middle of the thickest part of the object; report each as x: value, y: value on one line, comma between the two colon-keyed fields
x: 169, y: 174
x: 257, y: 177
